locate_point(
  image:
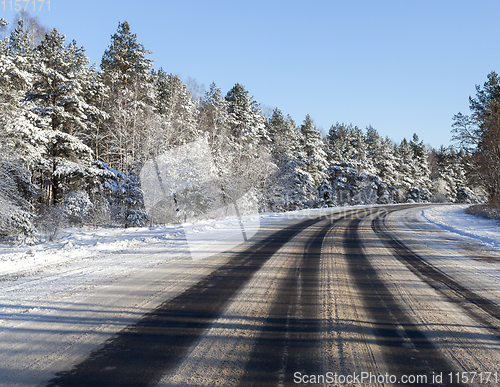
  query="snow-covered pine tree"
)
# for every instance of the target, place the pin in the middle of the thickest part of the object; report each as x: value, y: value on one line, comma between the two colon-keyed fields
x: 249, y: 123
x: 338, y: 144
x: 215, y: 122
x: 350, y: 173
x: 16, y: 67
x: 406, y: 171
x: 125, y: 59
x: 130, y: 104
x: 422, y: 171
x: 316, y: 157
x: 59, y: 99
x: 292, y: 187
x: 285, y: 137
x: 16, y: 194
x: 347, y: 146
x: 125, y: 201
x: 449, y: 179
x: 414, y: 182
x: 21, y: 144
x: 251, y: 160
x: 381, y: 162
x: 177, y: 108
x: 374, y: 149
x: 135, y: 215
x: 443, y: 187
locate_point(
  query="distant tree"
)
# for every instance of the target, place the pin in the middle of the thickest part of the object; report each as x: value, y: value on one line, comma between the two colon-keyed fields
x: 413, y: 177
x: 313, y: 146
x: 215, y: 122
x: 422, y: 171
x: 214, y: 119
x: 250, y: 162
x: 33, y: 28
x: 479, y: 135
x: 449, y: 180
x: 125, y: 59
x: 292, y: 186
x: 381, y: 161
x: 347, y: 146
x: 177, y: 108
x: 351, y: 172
x: 249, y: 123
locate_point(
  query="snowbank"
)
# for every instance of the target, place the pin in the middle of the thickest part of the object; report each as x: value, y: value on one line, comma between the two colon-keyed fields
x: 453, y: 219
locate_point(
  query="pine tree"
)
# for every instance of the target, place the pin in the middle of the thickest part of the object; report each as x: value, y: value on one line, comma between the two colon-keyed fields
x: 130, y: 104
x: 214, y: 119
x: 374, y: 150
x: 413, y: 171
x: 21, y: 143
x: 59, y: 99
x: 350, y: 173
x: 422, y: 171
x: 215, y: 122
x: 177, y: 108
x: 135, y: 216
x: 250, y: 162
x: 249, y: 124
x: 346, y: 146
x: 16, y: 211
x: 292, y: 187
x: 381, y: 162
x: 405, y: 170
x: 313, y: 146
x: 125, y: 59
x: 449, y: 179
x: 16, y: 65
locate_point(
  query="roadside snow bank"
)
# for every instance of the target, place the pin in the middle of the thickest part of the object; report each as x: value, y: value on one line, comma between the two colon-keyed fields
x: 106, y: 246
x: 453, y: 219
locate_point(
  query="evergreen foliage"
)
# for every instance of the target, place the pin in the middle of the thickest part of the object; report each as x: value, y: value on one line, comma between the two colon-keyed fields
x: 74, y: 141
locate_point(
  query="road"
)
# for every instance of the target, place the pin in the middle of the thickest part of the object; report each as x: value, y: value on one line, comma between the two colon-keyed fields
x: 352, y: 298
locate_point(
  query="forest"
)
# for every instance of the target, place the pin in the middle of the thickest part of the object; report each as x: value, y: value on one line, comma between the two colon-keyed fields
x: 76, y: 139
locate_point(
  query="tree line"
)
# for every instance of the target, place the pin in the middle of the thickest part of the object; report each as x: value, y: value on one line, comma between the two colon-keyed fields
x: 75, y: 137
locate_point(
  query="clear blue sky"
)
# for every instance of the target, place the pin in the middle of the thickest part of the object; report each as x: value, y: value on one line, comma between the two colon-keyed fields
x: 402, y: 66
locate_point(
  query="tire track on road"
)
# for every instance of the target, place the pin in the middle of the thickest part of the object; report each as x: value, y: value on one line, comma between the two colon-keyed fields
x: 404, y: 347
x: 440, y: 281
x: 291, y: 339
x: 140, y: 354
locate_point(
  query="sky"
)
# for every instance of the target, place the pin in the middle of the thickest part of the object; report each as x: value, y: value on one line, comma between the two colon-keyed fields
x: 401, y: 66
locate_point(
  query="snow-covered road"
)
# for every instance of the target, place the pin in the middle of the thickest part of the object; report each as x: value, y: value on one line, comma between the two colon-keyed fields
x: 61, y: 300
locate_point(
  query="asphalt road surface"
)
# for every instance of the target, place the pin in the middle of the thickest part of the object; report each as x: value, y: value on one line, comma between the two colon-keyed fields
x: 353, y: 298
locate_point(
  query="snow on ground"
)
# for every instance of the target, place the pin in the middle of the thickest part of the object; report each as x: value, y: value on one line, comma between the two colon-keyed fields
x: 163, y: 243
x: 463, y: 246
x: 60, y: 300
x: 454, y: 220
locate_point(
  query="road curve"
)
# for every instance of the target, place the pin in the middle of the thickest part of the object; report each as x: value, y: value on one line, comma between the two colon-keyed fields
x: 322, y: 301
